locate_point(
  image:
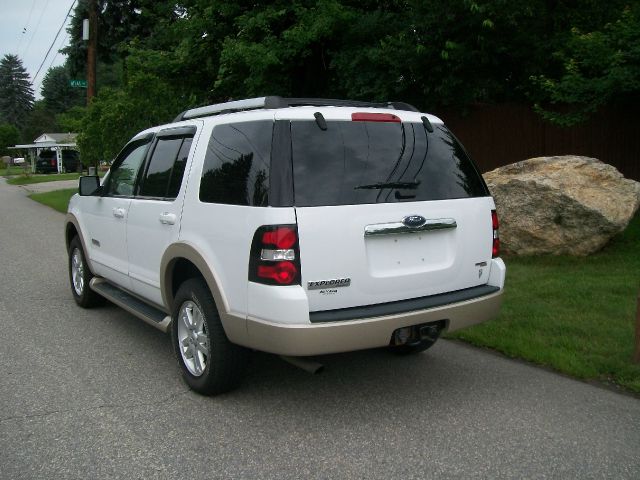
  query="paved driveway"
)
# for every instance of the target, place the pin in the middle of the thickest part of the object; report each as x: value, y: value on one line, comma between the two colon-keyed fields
x: 92, y: 394
x: 49, y: 186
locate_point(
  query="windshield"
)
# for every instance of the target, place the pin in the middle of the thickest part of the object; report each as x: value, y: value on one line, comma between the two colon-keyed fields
x: 379, y: 162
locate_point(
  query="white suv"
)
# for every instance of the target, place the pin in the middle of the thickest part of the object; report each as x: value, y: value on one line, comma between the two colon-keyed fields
x: 293, y: 226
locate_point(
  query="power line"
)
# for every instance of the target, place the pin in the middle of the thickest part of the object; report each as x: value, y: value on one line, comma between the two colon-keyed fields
x: 24, y: 29
x: 33, y: 34
x: 36, y: 88
x: 58, y: 50
x: 54, y: 40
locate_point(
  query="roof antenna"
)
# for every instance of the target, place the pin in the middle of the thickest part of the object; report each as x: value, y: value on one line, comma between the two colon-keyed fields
x: 427, y: 124
x: 322, y: 123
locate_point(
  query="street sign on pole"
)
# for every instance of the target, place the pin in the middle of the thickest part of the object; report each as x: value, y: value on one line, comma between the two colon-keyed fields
x: 78, y: 83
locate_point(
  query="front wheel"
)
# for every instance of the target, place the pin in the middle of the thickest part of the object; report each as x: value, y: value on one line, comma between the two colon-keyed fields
x: 210, y: 363
x: 80, y: 276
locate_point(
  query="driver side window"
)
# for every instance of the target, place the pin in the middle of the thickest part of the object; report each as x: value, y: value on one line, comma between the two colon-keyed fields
x: 124, y: 173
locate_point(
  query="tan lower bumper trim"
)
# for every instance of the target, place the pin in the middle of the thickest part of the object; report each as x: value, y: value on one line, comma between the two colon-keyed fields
x: 344, y: 336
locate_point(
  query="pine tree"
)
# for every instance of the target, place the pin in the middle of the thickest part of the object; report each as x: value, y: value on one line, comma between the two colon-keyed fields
x: 57, y: 93
x: 16, y: 91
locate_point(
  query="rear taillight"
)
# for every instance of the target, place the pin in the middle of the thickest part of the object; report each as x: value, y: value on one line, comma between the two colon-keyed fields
x: 495, y: 251
x: 275, y: 255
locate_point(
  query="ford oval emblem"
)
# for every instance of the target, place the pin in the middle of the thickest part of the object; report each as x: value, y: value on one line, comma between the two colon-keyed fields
x: 413, y: 221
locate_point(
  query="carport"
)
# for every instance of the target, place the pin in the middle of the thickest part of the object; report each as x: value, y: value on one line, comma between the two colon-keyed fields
x: 50, y: 141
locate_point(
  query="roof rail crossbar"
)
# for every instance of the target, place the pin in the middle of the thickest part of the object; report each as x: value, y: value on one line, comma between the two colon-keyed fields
x: 281, y: 102
x: 226, y: 107
x: 270, y: 102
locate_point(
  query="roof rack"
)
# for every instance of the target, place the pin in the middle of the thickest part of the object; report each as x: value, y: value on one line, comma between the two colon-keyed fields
x: 282, y: 102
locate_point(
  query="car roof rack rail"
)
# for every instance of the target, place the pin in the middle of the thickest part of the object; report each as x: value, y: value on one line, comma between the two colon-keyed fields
x: 270, y: 102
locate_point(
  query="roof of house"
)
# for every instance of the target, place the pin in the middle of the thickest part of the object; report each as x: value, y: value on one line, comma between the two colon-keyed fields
x: 56, y: 138
x: 50, y: 140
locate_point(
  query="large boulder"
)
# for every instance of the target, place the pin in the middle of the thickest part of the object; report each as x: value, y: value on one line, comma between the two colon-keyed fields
x: 561, y: 205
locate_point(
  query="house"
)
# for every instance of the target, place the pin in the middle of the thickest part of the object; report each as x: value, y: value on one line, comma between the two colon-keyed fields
x: 49, y: 141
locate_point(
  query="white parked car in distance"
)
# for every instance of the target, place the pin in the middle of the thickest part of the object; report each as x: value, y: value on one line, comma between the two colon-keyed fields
x: 298, y: 227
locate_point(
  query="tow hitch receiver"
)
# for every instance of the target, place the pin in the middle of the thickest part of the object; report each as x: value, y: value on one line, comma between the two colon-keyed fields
x: 417, y: 333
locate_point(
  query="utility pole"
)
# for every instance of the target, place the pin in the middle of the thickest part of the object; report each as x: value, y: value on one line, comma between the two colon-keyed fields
x: 92, y: 51
x: 92, y: 48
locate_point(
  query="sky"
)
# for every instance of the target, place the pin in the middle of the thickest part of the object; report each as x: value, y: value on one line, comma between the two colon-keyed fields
x: 28, y: 28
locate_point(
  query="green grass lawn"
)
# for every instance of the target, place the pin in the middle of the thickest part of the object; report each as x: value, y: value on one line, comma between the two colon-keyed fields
x: 58, y: 199
x: 53, y: 177
x: 13, y: 170
x: 575, y: 315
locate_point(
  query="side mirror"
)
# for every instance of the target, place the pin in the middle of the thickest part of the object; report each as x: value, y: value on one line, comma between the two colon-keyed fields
x: 88, y: 185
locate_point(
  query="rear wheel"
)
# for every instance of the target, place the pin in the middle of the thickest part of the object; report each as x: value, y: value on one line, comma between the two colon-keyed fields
x: 80, y: 276
x: 210, y: 363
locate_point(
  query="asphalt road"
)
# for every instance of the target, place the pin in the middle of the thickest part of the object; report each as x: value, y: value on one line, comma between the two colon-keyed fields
x: 91, y: 394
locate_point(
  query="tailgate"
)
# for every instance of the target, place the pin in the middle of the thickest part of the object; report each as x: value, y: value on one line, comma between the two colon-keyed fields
x: 355, y: 255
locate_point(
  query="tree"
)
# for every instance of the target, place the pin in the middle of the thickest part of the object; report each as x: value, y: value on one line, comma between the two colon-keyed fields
x: 286, y: 48
x: 40, y: 120
x: 114, y: 116
x: 57, y: 92
x: 428, y: 53
x: 9, y: 136
x: 16, y: 92
x: 72, y: 120
x: 119, y: 23
x: 184, y: 49
x: 431, y: 54
x: 598, y: 67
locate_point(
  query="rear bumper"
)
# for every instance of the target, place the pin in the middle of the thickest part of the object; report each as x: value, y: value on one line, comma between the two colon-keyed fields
x: 363, y: 333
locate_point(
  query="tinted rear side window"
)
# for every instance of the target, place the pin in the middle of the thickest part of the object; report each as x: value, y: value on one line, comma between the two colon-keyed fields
x: 166, y: 167
x: 377, y: 162
x: 178, y: 168
x: 236, y: 166
x: 159, y: 170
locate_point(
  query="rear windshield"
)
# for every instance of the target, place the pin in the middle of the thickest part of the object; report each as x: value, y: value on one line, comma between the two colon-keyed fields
x: 353, y: 163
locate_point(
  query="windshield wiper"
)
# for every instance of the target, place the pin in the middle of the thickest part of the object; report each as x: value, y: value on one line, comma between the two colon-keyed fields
x: 376, y: 186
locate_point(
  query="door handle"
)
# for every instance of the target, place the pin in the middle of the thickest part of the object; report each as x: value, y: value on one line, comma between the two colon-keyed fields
x: 118, y: 212
x: 167, y: 218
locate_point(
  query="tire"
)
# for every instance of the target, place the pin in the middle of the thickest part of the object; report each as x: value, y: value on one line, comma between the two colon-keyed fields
x: 80, y: 276
x: 209, y: 362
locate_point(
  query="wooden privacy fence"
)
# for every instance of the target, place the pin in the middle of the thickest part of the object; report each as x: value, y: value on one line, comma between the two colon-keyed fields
x: 497, y: 135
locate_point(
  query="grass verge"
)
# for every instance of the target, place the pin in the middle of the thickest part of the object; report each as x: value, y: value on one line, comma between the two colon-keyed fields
x: 54, y: 177
x: 14, y: 170
x: 57, y: 199
x: 573, y: 314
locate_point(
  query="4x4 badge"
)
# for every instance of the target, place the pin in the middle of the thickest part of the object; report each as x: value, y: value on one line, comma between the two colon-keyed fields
x: 335, y: 283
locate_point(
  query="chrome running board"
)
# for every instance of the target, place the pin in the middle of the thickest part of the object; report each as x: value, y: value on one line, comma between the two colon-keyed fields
x: 145, y: 312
